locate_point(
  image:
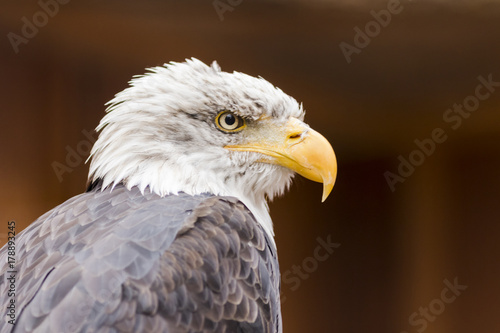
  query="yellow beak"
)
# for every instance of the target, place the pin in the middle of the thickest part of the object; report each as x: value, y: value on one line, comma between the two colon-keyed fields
x: 299, y: 148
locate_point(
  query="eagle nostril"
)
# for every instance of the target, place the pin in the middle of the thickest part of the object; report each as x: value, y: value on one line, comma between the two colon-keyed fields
x: 294, y: 136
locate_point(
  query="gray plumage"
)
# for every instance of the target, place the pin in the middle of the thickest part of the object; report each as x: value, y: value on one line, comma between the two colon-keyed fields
x: 121, y: 261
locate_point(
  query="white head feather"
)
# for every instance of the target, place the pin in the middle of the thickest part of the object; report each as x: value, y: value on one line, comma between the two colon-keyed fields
x: 160, y: 133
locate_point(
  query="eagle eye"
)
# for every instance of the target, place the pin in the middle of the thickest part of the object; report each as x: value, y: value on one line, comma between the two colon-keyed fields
x: 229, y: 122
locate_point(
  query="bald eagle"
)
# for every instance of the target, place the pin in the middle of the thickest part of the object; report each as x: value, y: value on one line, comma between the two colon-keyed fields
x: 173, y: 233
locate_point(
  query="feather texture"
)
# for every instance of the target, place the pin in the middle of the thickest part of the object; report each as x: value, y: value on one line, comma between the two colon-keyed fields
x: 122, y: 261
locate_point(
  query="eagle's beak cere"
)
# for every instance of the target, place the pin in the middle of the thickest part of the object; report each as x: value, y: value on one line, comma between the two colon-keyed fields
x: 299, y: 148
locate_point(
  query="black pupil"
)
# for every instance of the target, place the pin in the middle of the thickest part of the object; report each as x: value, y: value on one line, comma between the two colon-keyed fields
x: 229, y: 119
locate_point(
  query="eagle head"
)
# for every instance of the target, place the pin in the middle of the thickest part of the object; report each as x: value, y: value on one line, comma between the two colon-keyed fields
x: 188, y: 127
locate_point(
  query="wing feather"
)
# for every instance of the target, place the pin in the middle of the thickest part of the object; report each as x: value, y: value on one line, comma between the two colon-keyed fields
x: 134, y: 262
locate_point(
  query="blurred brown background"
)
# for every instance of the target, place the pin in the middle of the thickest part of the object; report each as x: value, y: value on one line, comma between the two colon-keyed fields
x: 396, y: 247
